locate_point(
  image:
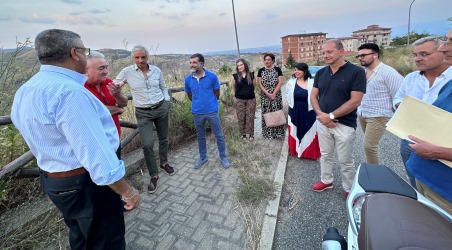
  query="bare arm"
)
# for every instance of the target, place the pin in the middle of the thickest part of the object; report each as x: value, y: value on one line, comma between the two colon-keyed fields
x: 429, y: 151
x: 115, y: 110
x: 128, y: 193
x: 189, y: 96
x: 217, y: 93
x: 115, y: 90
x: 233, y: 84
x: 344, y: 109
x: 259, y: 81
x: 315, y: 100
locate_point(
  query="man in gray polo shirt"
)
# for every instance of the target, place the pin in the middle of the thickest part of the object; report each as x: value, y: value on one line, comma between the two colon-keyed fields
x: 152, y: 103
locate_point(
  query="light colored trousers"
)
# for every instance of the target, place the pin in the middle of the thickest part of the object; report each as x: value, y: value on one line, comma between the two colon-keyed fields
x: 434, y: 197
x: 342, y: 138
x: 373, y: 129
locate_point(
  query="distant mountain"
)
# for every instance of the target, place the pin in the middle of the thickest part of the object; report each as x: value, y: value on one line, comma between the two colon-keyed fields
x: 14, y: 49
x: 271, y: 48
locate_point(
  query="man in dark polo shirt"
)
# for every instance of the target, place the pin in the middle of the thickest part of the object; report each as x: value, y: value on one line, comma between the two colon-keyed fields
x: 337, y: 93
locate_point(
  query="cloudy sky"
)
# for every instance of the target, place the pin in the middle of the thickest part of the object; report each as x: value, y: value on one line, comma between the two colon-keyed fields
x: 188, y: 26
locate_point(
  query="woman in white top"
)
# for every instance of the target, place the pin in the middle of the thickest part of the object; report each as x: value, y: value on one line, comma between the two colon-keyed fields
x: 302, y: 129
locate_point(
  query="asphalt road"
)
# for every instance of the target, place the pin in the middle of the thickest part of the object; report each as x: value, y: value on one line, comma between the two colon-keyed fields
x: 305, y: 215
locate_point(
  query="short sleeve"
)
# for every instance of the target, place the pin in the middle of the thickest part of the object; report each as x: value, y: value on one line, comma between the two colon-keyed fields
x: 259, y: 73
x: 278, y: 69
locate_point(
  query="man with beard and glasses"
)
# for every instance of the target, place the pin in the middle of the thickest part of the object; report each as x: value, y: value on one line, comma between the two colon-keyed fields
x: 376, y: 106
x: 424, y: 84
x: 203, y: 89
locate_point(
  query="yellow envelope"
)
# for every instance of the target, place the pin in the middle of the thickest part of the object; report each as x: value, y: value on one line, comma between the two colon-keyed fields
x: 425, y: 121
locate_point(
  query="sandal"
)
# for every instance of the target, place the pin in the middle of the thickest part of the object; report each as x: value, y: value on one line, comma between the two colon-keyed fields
x: 244, y: 137
x: 251, y: 138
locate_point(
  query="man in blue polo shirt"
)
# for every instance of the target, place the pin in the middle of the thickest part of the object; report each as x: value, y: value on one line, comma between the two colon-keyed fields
x: 337, y: 93
x: 203, y: 89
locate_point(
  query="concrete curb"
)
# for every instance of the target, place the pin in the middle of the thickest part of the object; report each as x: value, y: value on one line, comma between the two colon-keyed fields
x: 271, y: 212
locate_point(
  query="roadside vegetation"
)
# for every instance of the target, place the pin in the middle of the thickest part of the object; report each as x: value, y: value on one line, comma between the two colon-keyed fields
x: 251, y: 161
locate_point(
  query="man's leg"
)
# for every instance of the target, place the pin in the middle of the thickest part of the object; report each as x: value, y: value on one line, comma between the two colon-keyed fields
x: 345, y: 140
x: 161, y: 124
x: 145, y: 126
x: 375, y: 128
x: 95, y: 219
x: 215, y: 124
x: 326, y: 142
x: 405, y: 152
x: 200, y: 121
x: 434, y: 197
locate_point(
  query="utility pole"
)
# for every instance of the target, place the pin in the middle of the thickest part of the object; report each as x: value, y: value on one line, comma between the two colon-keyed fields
x: 408, y: 35
x: 235, y: 26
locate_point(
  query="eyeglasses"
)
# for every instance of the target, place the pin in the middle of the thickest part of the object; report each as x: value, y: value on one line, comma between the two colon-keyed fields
x: 421, y: 55
x: 446, y: 44
x: 87, y: 51
x: 361, y: 56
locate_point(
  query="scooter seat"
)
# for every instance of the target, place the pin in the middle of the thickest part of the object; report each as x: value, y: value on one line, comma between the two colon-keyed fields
x: 396, y: 222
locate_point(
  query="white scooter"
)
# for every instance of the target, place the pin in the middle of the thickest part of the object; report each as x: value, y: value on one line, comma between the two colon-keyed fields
x: 385, y: 212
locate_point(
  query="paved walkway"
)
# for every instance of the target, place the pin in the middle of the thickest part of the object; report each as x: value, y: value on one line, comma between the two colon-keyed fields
x: 195, y: 208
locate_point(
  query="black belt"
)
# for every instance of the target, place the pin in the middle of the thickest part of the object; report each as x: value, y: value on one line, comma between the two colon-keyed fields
x: 155, y: 106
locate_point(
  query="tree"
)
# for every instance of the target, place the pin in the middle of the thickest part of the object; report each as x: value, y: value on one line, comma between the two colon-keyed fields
x: 413, y: 37
x: 225, y: 70
x: 290, y: 62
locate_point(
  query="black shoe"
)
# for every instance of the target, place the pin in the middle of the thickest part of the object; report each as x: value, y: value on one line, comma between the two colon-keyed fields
x: 168, y: 169
x: 153, y: 184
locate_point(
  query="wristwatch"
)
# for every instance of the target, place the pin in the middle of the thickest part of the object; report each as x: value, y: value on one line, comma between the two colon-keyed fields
x: 331, y: 116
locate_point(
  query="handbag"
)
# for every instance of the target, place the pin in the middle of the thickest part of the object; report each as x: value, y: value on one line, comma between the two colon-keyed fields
x: 275, y: 118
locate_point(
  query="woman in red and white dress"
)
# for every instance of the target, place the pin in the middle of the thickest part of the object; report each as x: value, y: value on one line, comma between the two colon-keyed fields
x: 302, y: 125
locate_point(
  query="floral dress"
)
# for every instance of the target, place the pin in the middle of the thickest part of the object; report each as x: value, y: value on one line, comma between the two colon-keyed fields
x: 269, y: 82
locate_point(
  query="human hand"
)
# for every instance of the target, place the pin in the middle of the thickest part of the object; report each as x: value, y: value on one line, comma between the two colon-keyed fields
x: 331, y: 124
x: 424, y: 149
x: 115, y: 88
x: 133, y: 201
x: 324, y: 118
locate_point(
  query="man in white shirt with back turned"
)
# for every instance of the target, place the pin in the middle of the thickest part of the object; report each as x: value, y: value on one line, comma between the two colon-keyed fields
x: 424, y: 83
x: 376, y: 106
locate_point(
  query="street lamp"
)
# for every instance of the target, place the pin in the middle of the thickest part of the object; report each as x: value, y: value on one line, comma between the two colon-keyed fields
x: 235, y: 26
x: 408, y: 35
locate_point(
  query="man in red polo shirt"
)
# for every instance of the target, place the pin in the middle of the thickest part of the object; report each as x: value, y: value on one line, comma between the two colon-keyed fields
x: 104, y: 89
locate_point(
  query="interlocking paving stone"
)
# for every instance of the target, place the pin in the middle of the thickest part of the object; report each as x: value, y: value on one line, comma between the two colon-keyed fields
x: 193, y: 209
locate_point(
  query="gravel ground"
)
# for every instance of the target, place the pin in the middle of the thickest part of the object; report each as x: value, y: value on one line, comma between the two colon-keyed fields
x: 305, y: 215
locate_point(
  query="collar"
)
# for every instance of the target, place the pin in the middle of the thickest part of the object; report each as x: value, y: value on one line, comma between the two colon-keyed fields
x: 79, y: 78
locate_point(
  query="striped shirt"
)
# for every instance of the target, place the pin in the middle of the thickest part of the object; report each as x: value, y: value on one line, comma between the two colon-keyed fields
x: 381, y: 88
x: 145, y: 92
x: 416, y: 85
x: 67, y: 127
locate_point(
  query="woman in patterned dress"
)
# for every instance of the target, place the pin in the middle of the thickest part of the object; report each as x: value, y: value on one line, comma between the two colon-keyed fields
x: 270, y: 79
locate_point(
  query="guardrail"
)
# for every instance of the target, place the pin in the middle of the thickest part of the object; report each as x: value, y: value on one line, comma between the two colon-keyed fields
x: 15, y: 168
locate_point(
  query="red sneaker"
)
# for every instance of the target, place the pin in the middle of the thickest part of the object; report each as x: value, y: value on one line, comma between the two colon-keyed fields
x: 320, y: 186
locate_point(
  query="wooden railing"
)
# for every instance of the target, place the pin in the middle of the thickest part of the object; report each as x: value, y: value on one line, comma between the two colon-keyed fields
x: 15, y: 168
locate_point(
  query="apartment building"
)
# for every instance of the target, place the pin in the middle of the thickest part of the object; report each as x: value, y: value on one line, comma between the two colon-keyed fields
x: 373, y: 34
x: 306, y: 47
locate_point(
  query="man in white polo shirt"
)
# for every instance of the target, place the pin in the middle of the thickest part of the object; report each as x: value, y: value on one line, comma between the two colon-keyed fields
x: 376, y: 106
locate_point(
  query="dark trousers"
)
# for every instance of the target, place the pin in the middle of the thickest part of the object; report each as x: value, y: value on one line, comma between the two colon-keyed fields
x: 146, y: 119
x: 94, y: 214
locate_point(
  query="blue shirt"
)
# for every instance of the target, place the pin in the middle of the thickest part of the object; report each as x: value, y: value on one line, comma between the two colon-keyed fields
x: 67, y: 127
x: 434, y: 174
x: 204, y: 100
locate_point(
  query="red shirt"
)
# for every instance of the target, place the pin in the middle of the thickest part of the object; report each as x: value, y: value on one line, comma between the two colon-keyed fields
x: 106, y: 98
